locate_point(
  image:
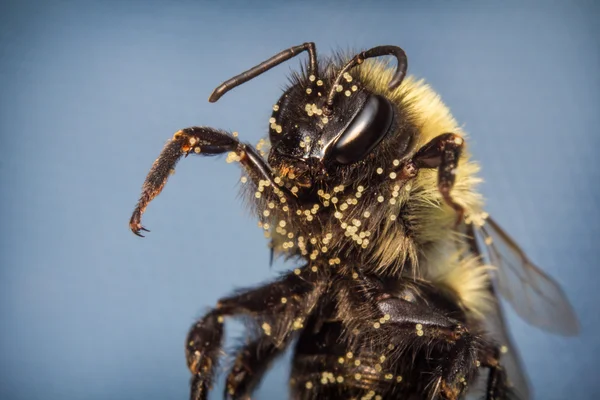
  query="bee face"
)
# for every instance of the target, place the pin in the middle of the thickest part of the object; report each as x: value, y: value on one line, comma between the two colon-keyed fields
x: 310, y: 142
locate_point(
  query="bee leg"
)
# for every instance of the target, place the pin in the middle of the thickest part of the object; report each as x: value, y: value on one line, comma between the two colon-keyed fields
x: 420, y: 325
x: 410, y: 325
x: 278, y: 308
x: 497, y: 386
x: 200, y: 141
x: 252, y: 361
x: 328, y: 375
x: 497, y: 382
x: 443, y: 153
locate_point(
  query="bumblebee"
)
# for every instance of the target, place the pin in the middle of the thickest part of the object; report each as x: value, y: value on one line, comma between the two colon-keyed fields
x: 366, y: 183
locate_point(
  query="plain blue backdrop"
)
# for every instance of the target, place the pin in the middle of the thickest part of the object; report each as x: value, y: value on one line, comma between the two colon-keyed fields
x: 90, y: 91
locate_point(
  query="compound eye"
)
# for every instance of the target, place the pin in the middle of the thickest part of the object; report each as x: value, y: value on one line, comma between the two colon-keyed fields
x: 365, y: 131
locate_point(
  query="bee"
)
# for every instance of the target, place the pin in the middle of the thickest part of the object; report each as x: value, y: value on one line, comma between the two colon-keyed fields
x: 368, y: 186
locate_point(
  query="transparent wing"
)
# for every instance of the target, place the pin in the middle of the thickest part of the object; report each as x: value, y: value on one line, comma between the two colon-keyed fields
x: 509, y: 357
x: 496, y: 325
x: 536, y: 297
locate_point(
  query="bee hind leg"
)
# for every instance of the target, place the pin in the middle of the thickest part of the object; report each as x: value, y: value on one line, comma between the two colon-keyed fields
x: 497, y: 387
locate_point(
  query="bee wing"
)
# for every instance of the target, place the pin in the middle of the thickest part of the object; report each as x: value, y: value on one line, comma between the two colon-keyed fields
x: 509, y: 357
x: 496, y: 325
x: 535, y: 296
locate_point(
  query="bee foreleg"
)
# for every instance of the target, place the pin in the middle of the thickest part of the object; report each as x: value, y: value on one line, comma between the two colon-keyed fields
x: 200, y: 141
x: 443, y: 153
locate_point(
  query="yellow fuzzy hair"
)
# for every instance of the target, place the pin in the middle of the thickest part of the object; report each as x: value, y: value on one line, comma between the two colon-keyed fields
x: 437, y: 250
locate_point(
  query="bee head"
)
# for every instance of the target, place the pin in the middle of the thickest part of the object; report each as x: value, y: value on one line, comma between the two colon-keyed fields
x: 320, y: 124
x: 308, y: 139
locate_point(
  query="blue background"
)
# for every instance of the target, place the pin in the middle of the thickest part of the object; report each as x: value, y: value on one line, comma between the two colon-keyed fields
x: 90, y: 91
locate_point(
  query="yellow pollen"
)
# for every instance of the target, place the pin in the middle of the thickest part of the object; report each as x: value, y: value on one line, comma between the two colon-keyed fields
x: 267, y: 328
